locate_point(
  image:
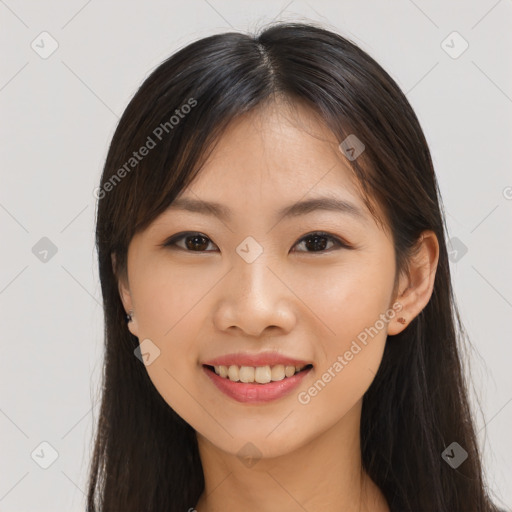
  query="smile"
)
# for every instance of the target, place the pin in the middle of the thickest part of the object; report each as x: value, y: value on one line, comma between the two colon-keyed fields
x: 258, y: 384
x: 258, y: 374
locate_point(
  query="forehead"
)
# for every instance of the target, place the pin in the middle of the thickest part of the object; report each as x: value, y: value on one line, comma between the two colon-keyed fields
x: 275, y: 155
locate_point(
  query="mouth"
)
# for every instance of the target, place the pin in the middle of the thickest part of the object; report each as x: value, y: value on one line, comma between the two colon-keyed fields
x: 256, y: 384
x: 257, y: 374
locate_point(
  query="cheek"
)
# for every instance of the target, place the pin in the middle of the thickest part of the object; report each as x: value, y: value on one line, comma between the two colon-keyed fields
x: 339, y: 386
x: 349, y: 365
x: 171, y: 306
x: 352, y: 307
x: 167, y: 297
x: 345, y: 299
x: 166, y: 305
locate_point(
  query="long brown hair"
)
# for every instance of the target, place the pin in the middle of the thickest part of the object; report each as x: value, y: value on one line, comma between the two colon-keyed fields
x: 145, y: 456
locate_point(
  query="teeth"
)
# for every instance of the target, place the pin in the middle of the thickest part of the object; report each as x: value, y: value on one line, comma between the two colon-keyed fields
x: 246, y: 373
x: 263, y: 374
x: 277, y: 372
x: 259, y: 374
x: 289, y: 371
x: 233, y: 373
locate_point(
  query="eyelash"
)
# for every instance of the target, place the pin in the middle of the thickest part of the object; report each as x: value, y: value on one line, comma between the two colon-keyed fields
x: 339, y: 244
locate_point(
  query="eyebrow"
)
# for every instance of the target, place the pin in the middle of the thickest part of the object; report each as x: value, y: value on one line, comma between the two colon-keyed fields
x: 220, y: 211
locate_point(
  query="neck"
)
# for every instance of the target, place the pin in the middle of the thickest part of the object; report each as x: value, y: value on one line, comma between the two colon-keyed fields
x: 324, y: 474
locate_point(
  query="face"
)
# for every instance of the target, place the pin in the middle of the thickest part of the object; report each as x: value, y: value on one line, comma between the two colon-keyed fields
x: 253, y: 288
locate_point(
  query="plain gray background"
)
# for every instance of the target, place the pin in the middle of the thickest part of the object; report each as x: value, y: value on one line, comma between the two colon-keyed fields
x: 58, y: 114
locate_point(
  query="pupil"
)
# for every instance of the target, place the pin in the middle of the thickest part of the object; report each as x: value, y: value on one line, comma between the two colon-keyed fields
x: 316, y: 243
x: 193, y: 245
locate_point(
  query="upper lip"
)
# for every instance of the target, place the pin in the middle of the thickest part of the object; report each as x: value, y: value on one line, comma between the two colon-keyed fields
x: 260, y: 359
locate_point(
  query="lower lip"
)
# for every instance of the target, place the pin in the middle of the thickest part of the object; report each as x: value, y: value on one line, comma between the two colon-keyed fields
x: 256, y: 393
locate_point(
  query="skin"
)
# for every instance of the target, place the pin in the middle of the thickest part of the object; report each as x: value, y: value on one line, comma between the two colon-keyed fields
x: 298, y: 300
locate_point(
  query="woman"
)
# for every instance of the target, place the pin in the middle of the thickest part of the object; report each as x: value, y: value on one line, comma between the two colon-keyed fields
x: 269, y: 225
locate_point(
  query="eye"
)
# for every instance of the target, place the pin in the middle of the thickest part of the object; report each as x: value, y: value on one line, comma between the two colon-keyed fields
x: 317, y: 241
x: 193, y: 242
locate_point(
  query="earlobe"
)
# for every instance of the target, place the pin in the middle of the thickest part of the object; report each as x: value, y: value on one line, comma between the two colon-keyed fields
x: 131, y: 322
x: 417, y: 286
x: 126, y: 298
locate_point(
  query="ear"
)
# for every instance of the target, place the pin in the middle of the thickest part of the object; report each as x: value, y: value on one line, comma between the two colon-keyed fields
x: 125, y: 295
x: 415, y: 288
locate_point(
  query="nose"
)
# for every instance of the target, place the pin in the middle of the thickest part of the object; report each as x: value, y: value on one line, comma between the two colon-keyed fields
x: 254, y: 297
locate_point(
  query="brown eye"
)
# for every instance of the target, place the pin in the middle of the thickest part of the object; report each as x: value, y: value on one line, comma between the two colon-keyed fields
x: 318, y: 242
x: 192, y: 242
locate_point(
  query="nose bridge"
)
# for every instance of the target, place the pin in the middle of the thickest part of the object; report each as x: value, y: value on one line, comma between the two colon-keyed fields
x: 255, y: 297
x: 254, y: 277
